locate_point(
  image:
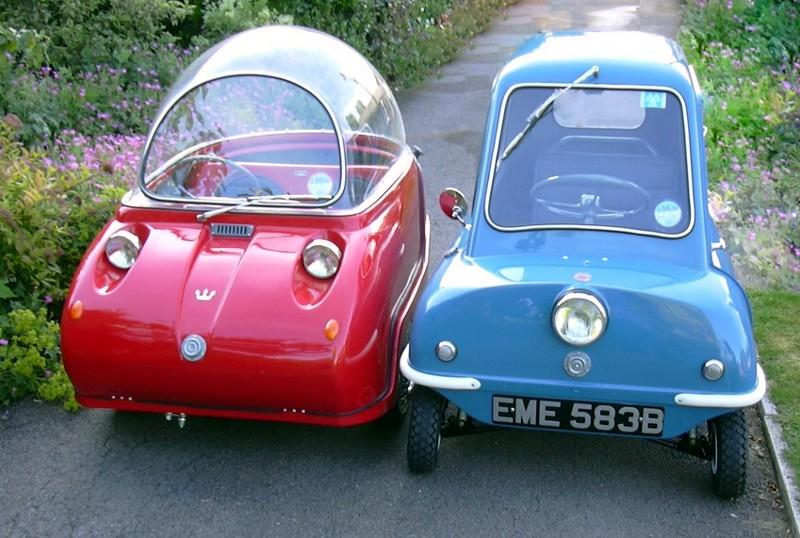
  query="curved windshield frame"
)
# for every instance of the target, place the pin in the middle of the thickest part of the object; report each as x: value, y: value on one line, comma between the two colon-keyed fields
x: 205, y: 150
x: 617, y: 161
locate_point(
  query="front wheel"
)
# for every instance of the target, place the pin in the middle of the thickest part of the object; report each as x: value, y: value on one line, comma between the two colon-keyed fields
x: 425, y: 430
x: 728, y: 438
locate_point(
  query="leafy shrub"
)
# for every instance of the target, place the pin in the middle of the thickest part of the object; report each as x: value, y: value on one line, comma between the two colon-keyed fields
x: 28, y: 46
x: 47, y: 218
x: 404, y: 39
x: 97, y: 101
x: 49, y: 212
x: 30, y: 361
x: 84, y: 33
x: 226, y: 17
x: 746, y: 56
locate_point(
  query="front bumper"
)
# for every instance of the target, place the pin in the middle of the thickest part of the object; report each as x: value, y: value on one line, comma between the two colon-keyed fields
x: 685, y: 399
x: 683, y: 410
x: 727, y: 401
x: 435, y: 381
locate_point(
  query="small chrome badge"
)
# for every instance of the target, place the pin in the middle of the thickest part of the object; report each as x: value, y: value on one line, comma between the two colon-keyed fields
x: 577, y: 364
x: 204, y: 295
x: 193, y: 348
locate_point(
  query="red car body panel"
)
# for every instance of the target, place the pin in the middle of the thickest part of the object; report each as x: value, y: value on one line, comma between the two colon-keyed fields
x: 268, y: 356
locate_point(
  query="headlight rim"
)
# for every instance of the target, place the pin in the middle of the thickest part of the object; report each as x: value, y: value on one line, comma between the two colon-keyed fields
x: 132, y: 239
x: 330, y: 245
x: 582, y: 295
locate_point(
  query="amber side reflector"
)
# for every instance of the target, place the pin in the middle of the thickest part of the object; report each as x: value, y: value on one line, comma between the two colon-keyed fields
x: 331, y: 329
x: 76, y: 310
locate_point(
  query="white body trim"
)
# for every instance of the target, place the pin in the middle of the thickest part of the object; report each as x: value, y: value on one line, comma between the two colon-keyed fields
x: 435, y: 381
x: 726, y: 400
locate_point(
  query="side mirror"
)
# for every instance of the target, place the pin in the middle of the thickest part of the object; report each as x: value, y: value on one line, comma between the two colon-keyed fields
x: 453, y: 204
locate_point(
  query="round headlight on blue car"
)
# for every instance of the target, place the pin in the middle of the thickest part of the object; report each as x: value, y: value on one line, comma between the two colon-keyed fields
x: 579, y: 318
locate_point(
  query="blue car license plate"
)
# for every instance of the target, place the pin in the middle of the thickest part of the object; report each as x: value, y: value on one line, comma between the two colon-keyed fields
x: 577, y: 416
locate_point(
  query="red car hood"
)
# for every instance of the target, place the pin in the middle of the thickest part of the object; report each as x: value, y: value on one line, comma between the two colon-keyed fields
x: 250, y: 299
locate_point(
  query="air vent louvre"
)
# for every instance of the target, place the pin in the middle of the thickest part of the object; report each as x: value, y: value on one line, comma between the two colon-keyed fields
x: 231, y: 230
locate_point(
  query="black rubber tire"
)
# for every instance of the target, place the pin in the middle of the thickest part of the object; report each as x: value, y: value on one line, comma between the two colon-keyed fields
x: 424, y: 430
x: 394, y: 418
x: 728, y: 437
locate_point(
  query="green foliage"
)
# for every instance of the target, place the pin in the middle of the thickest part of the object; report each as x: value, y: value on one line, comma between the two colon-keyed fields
x: 84, y: 33
x: 226, y: 17
x: 27, y: 46
x: 101, y: 66
x: 95, y: 65
x: 30, y: 360
x: 746, y: 56
x: 404, y: 39
x: 47, y: 218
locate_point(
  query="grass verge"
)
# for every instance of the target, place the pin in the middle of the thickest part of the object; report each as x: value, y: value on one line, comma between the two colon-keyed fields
x: 775, y: 314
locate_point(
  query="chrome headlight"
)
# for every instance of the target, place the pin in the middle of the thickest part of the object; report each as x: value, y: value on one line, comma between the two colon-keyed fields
x: 579, y: 318
x: 122, y: 249
x: 321, y: 258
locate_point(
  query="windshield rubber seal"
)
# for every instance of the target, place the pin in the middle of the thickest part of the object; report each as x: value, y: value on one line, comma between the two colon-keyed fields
x: 635, y: 231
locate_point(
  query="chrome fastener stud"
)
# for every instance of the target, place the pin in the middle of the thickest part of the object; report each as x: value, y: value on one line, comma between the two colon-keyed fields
x: 713, y: 369
x: 446, y: 351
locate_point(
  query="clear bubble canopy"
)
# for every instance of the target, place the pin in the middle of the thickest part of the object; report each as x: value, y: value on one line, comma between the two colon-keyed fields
x: 264, y: 100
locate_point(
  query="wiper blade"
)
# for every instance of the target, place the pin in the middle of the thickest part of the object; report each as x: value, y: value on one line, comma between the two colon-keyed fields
x: 539, y: 112
x: 252, y: 200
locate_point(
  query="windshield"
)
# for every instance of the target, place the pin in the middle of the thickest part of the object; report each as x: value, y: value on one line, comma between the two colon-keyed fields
x: 606, y: 158
x: 246, y: 136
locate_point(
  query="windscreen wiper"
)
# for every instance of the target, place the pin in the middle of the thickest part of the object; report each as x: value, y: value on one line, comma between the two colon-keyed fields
x: 539, y: 112
x: 252, y: 200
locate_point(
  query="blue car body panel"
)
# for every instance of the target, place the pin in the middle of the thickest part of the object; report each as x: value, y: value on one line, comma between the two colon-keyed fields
x: 672, y: 303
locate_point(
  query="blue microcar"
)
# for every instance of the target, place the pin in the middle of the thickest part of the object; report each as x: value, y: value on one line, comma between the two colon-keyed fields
x: 589, y: 290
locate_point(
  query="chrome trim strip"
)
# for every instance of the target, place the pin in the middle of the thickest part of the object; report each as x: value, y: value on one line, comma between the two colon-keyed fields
x: 493, y: 165
x: 435, y: 381
x: 727, y: 401
x: 167, y: 108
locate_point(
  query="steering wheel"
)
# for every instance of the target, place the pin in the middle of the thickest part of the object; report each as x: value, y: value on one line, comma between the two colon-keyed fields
x: 254, y: 185
x: 589, y: 206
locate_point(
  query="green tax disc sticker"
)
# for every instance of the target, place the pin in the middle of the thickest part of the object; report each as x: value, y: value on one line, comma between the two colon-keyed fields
x: 668, y: 214
x: 653, y: 100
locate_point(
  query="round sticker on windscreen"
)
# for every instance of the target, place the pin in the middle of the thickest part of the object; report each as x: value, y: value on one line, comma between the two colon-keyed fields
x: 320, y: 184
x: 668, y: 214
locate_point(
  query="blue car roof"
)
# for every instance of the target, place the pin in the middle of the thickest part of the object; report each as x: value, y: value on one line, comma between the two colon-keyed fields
x: 634, y: 58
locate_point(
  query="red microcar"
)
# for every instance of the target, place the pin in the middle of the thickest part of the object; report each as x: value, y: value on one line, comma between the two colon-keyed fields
x: 265, y: 264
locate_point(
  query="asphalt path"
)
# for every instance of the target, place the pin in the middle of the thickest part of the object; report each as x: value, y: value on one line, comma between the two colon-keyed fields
x: 99, y: 473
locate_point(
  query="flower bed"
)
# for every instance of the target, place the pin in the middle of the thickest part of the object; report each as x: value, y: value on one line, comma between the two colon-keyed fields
x: 746, y: 56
